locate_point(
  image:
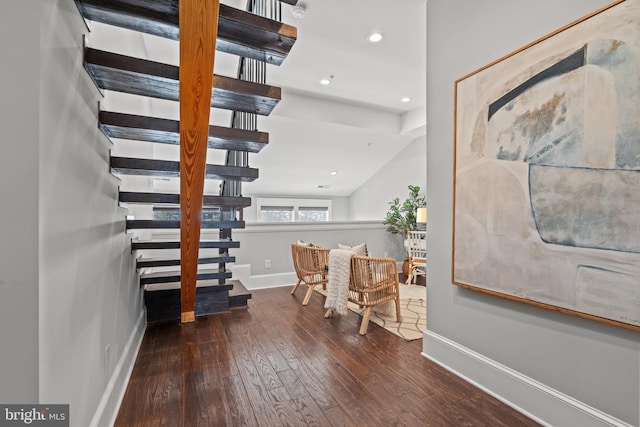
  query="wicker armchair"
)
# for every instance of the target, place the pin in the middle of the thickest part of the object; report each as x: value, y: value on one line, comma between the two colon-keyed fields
x: 310, y: 263
x: 373, y: 281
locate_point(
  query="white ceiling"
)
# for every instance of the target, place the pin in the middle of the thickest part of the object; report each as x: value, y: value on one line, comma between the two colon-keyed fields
x: 353, y: 126
x: 332, y: 40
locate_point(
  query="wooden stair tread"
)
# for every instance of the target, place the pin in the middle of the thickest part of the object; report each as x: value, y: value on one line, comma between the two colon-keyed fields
x: 239, y: 32
x: 175, y: 244
x: 165, y: 224
x: 112, y: 71
x: 174, y: 199
x: 152, y: 129
x: 167, y: 168
x: 168, y: 262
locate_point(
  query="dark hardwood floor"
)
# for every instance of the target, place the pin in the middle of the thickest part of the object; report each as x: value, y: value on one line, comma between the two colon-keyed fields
x: 278, y: 363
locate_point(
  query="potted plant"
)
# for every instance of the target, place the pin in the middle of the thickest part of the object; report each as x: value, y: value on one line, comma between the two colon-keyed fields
x: 401, y: 217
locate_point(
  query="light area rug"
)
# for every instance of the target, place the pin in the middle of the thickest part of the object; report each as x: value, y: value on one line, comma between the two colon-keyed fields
x: 413, y: 309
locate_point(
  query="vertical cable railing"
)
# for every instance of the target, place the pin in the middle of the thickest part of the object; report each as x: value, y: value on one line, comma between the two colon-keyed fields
x: 255, y: 71
x: 251, y: 70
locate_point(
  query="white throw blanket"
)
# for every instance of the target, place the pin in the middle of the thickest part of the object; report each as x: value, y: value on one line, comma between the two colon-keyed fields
x: 338, y: 285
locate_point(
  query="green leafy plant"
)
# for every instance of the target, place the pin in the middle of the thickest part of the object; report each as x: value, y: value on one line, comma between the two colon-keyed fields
x: 401, y: 217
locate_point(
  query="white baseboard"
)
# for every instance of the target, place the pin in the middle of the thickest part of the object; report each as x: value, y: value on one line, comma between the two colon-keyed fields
x: 272, y: 280
x: 537, y: 401
x: 107, y: 410
x: 242, y: 272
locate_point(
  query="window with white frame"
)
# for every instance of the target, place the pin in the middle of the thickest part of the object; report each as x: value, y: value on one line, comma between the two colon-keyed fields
x: 313, y: 213
x: 293, y: 210
x: 276, y: 214
x: 171, y: 213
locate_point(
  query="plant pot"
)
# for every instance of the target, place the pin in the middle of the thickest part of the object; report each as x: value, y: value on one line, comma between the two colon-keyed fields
x: 405, y: 267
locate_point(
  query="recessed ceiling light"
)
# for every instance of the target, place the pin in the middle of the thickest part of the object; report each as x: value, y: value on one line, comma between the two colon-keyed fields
x: 334, y: 173
x: 375, y: 37
x: 405, y: 99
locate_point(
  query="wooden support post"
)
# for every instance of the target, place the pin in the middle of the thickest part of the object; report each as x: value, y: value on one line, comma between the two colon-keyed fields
x: 198, y: 24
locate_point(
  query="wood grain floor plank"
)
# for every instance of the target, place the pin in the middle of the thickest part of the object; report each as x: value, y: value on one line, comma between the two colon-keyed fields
x: 216, y: 397
x: 321, y: 396
x: 293, y: 384
x: 310, y: 412
x: 339, y: 417
x: 241, y: 411
x: 287, y: 412
x: 256, y: 392
x: 281, y: 364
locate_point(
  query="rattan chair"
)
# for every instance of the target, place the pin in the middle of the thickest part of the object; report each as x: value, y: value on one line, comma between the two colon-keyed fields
x: 372, y: 282
x: 310, y: 263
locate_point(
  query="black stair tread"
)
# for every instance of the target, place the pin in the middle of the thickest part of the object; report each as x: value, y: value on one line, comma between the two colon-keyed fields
x: 164, y: 262
x: 155, y: 274
x: 201, y: 273
x: 152, y: 129
x: 163, y: 304
x: 239, y: 32
x: 235, y: 287
x: 174, y: 276
x: 174, y: 199
x: 164, y: 224
x: 175, y: 244
x: 122, y: 73
x: 200, y: 283
x: 167, y: 168
x: 212, y: 285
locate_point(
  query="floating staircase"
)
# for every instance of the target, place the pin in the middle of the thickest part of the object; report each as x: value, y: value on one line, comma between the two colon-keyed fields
x: 241, y: 33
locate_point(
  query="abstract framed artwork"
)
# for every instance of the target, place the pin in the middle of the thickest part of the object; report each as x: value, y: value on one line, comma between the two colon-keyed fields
x: 547, y: 171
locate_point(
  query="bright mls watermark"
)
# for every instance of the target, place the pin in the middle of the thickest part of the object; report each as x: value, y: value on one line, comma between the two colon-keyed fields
x: 34, y: 415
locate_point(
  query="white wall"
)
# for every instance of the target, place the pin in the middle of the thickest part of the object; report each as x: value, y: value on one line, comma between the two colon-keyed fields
x: 481, y: 336
x: 371, y: 200
x: 69, y: 287
x: 19, y: 205
x: 262, y: 241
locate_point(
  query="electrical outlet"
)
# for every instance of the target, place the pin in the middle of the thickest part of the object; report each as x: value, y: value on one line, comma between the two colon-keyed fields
x: 267, y: 263
x: 386, y: 254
